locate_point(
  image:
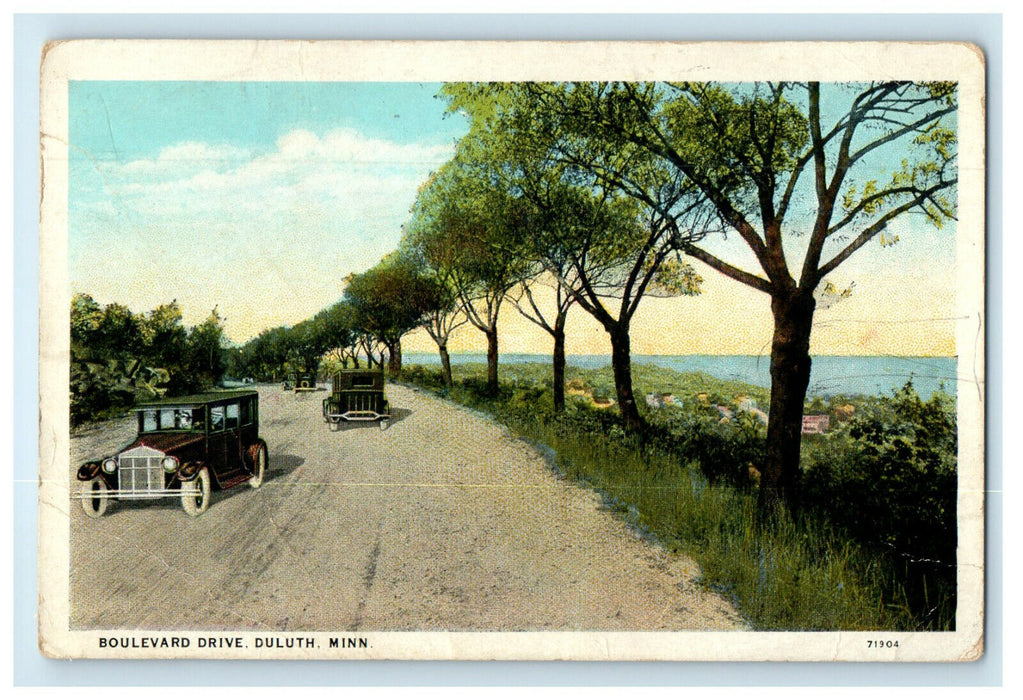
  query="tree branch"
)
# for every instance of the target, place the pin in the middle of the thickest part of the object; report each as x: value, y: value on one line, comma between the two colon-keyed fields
x: 873, y: 230
x: 749, y: 279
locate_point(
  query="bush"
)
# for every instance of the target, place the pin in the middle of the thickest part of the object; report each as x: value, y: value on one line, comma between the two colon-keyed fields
x: 725, y: 451
x: 421, y: 375
x: 119, y: 357
x: 889, y: 479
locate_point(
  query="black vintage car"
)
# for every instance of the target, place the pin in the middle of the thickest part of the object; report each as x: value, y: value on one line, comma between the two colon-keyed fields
x: 187, y: 447
x: 301, y: 382
x: 356, y: 395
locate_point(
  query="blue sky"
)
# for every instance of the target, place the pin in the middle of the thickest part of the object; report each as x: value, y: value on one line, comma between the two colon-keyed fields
x: 138, y: 119
x: 259, y: 198
x: 255, y: 197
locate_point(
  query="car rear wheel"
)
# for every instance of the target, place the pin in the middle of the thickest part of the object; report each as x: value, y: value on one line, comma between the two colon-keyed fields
x: 195, y: 494
x: 97, y: 497
x: 259, y: 467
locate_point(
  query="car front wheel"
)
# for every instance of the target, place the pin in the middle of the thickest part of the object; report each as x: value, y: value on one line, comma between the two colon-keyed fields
x: 195, y: 494
x: 97, y: 497
x: 259, y: 467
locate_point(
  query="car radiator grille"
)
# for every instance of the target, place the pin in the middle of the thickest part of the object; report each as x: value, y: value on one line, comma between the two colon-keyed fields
x: 358, y: 402
x: 362, y: 402
x: 140, y: 472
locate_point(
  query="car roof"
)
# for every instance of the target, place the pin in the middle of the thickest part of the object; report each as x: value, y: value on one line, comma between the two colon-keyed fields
x: 197, y: 399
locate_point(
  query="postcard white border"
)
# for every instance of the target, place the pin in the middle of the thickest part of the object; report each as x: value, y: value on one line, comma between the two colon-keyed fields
x: 463, y: 60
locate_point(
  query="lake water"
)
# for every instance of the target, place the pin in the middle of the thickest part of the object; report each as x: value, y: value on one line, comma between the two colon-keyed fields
x: 830, y: 374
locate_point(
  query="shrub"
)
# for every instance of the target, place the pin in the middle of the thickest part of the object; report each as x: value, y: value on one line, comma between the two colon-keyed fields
x: 723, y: 450
x: 889, y: 479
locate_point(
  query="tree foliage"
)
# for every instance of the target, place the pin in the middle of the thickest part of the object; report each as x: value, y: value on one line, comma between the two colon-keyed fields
x: 391, y: 299
x: 119, y: 357
x: 461, y: 226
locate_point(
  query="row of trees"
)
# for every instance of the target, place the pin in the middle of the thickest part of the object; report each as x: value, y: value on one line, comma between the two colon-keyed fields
x: 118, y: 356
x: 379, y: 307
x: 606, y: 192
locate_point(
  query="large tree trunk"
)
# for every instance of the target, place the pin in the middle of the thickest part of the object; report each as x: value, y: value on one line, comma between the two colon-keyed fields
x: 445, y: 363
x: 394, y: 365
x: 621, y: 365
x: 559, y: 362
x: 492, y: 360
x: 790, y: 377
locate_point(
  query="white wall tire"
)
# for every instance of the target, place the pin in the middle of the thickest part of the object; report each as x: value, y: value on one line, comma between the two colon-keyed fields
x: 96, y: 497
x: 259, y: 467
x: 195, y: 494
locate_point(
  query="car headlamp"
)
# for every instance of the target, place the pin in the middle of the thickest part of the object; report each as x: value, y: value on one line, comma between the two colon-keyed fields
x: 110, y: 465
x: 170, y: 464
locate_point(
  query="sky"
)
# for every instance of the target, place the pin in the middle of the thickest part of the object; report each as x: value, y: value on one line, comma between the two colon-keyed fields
x: 259, y: 198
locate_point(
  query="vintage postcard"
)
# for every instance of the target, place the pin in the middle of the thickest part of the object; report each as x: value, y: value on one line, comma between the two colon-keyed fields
x: 520, y: 350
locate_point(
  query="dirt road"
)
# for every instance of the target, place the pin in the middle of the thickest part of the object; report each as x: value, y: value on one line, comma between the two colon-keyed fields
x: 440, y: 522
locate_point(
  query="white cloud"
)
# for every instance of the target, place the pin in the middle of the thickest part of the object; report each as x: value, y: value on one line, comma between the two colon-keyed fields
x: 297, y: 217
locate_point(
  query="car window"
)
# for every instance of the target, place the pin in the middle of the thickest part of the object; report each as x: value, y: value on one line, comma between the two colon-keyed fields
x: 363, y: 380
x: 183, y: 419
x: 155, y: 419
x: 247, y: 412
x: 232, y: 415
x: 216, y: 418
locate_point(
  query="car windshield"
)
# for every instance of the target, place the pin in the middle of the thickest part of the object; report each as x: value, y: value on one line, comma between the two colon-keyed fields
x: 161, y: 419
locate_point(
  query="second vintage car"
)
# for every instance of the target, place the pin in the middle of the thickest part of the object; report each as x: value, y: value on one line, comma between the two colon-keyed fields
x: 356, y: 395
x: 187, y: 447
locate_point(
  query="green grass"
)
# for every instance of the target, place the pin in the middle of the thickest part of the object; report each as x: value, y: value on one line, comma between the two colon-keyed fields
x: 782, y: 574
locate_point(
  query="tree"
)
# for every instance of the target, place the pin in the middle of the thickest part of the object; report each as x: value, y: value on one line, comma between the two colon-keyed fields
x: 205, y: 351
x: 515, y: 164
x: 444, y: 315
x: 86, y: 317
x: 461, y: 222
x: 268, y: 353
x: 119, y: 357
x: 335, y: 327
x: 608, y: 240
x: 166, y: 344
x: 873, y: 153
x: 388, y: 301
x: 306, y: 347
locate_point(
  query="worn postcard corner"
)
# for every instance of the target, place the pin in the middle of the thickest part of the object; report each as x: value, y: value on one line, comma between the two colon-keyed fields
x: 512, y: 350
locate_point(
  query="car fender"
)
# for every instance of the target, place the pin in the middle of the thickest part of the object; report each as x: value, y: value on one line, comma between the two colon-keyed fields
x: 89, y: 470
x: 189, y: 470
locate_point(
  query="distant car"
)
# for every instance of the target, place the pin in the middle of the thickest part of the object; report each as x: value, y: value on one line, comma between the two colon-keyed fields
x: 305, y: 382
x: 357, y: 395
x: 186, y: 448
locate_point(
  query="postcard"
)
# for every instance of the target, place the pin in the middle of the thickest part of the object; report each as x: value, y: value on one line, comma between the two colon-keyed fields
x: 512, y: 350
